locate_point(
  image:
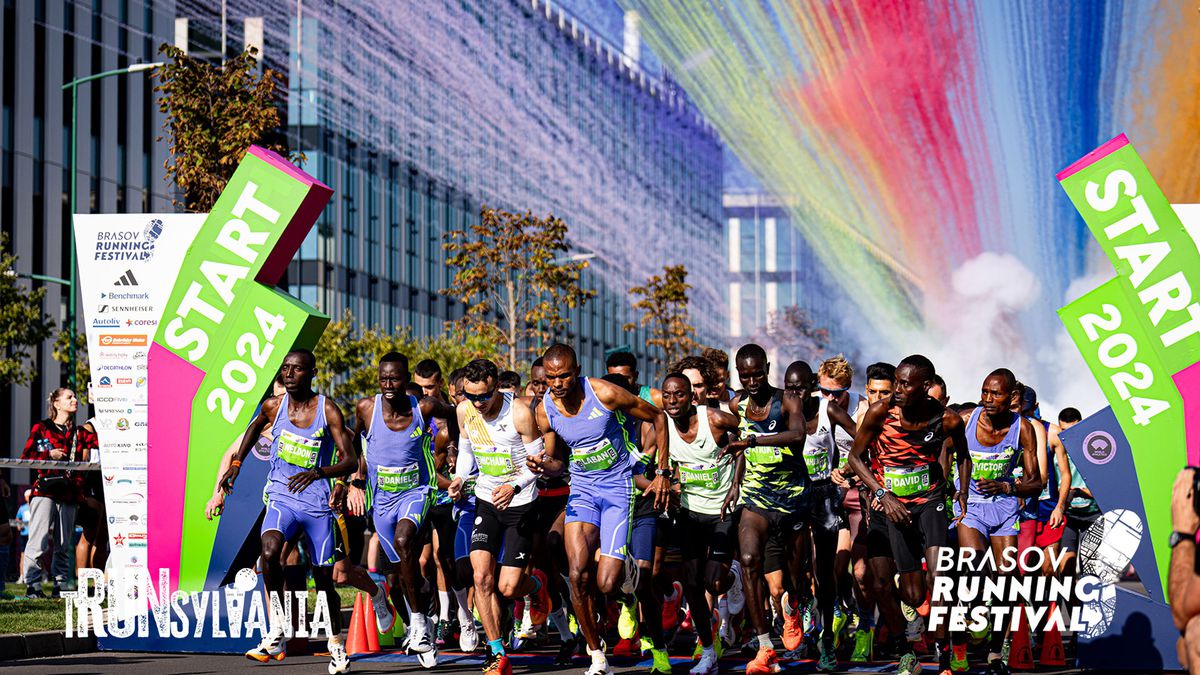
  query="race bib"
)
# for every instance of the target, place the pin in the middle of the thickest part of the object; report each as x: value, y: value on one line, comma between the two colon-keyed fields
x: 699, y: 476
x: 991, y: 466
x: 598, y: 458
x: 398, y: 478
x: 494, y: 463
x: 906, y: 481
x: 298, y: 450
x: 817, y: 460
x: 764, y: 455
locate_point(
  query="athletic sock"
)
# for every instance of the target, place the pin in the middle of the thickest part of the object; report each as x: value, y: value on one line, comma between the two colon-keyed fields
x: 444, y: 605
x: 497, y: 646
x: 561, y: 624
x: 723, y: 610
x: 537, y: 586
x: 764, y: 640
x: 464, y: 611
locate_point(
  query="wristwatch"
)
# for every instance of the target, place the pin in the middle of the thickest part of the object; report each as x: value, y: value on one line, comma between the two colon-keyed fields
x: 665, y: 473
x: 516, y: 489
x: 753, y: 441
x: 880, y: 493
x: 1177, y: 537
x: 360, y: 483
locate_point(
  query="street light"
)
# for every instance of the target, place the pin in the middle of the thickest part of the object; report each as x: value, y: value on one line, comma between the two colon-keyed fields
x: 72, y: 280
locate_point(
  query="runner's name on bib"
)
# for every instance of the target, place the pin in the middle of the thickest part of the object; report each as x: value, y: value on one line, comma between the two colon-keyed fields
x: 699, y: 476
x: 817, y: 461
x: 299, y: 450
x: 496, y: 463
x: 906, y: 481
x: 760, y: 454
x: 991, y: 466
x: 398, y: 478
x: 597, y: 458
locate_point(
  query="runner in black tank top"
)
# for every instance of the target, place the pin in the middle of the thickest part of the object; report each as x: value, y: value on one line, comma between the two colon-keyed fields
x: 907, y: 488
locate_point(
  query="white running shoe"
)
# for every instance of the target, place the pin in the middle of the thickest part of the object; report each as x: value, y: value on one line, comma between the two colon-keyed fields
x: 726, y: 633
x: 385, y: 619
x: 338, y: 661
x: 419, y: 641
x: 271, y: 646
x: 599, y: 668
x: 708, y: 664
x: 468, y: 635
x: 737, y: 598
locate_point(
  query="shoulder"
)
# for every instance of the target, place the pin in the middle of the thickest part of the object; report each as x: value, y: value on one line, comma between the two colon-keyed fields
x: 720, y: 419
x: 365, y: 405
x: 951, y: 420
x: 271, y: 406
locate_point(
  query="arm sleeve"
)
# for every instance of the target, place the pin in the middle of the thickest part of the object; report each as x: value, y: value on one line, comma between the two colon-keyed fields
x: 466, y: 458
x: 526, y: 477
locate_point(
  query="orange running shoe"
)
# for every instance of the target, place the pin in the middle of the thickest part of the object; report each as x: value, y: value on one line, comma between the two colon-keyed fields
x: 793, y: 628
x: 497, y: 664
x: 764, y: 662
x: 539, y: 609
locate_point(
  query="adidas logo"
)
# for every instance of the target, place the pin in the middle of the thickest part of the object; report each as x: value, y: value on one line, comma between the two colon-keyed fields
x: 595, y: 414
x: 415, y: 433
x: 127, y: 279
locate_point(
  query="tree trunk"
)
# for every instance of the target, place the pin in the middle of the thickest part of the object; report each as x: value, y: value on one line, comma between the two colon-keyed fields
x: 512, y: 325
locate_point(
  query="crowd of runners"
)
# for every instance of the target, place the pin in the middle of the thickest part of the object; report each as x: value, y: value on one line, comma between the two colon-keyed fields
x: 606, y: 515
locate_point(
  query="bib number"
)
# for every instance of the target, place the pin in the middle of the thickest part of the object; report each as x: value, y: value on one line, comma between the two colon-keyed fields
x: 817, y: 461
x: 699, y: 476
x: 991, y: 466
x: 298, y: 450
x: 598, y: 458
x: 906, y: 481
x: 764, y: 455
x: 398, y: 478
x: 494, y: 464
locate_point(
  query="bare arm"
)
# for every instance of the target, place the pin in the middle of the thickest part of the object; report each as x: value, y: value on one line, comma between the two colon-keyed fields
x: 1063, y: 463
x: 956, y: 429
x: 616, y: 398
x: 548, y: 462
x: 265, y: 414
x: 1029, y: 485
x: 1183, y: 586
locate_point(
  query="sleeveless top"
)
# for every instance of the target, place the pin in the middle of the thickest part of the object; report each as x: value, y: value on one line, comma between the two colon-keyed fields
x: 598, y: 442
x: 498, y: 453
x: 703, y: 481
x: 775, y: 478
x: 905, y: 461
x: 992, y: 462
x: 295, y: 450
x: 820, y: 448
x: 398, y: 461
x: 842, y: 438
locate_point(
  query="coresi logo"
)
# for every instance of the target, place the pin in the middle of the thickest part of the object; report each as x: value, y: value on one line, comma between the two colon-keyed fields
x: 111, y: 340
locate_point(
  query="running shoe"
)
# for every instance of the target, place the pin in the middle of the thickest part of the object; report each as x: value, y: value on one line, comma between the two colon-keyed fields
x: 271, y: 647
x: 958, y: 658
x: 338, y: 661
x: 566, y: 652
x: 661, y: 662
x: 646, y: 646
x: 670, y: 611
x: 599, y: 668
x: 708, y: 665
x: 539, y: 606
x: 765, y: 661
x: 627, y: 647
x: 442, y: 631
x: 468, y: 637
x: 735, y: 595
x: 497, y: 664
x: 419, y: 641
x: 726, y: 633
x: 627, y: 623
x: 793, y: 627
x: 808, y: 615
x: 864, y: 642
x: 915, y: 629
x: 909, y: 665
x: 686, y: 625
x: 997, y: 667
x: 385, y: 618
x: 839, y: 623
x: 827, y: 662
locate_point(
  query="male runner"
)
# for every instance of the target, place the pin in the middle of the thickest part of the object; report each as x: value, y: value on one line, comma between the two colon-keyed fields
x: 581, y: 411
x: 307, y: 428
x: 997, y: 439
x: 1044, y: 515
x: 773, y: 493
x: 707, y: 518
x: 699, y: 373
x: 625, y: 364
x: 500, y: 432
x: 908, y: 511
x: 398, y: 465
x: 825, y: 417
x: 720, y: 363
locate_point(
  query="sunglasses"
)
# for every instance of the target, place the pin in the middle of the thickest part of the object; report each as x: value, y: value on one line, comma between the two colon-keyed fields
x: 833, y: 392
x: 478, y: 398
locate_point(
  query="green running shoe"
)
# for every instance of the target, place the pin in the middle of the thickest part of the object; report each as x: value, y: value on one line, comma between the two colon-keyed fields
x: 828, y: 660
x: 662, y: 662
x: 627, y: 624
x: 646, y: 645
x: 864, y: 642
x: 839, y: 622
x: 909, y: 665
x: 958, y: 658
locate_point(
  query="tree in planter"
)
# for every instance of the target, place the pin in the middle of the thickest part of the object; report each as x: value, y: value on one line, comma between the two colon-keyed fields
x: 513, y: 276
x: 23, y: 324
x: 214, y: 114
x: 664, y: 306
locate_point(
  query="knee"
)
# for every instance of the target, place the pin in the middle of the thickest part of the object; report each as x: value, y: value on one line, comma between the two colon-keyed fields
x: 271, y: 549
x: 607, y: 582
x: 484, y: 580
x: 751, y: 561
x: 579, y: 579
x: 509, y: 588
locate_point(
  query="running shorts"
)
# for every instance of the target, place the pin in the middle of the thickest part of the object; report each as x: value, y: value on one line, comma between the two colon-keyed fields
x: 317, y: 529
x: 1038, y: 533
x: 705, y: 537
x: 907, y: 543
x: 506, y: 534
x: 825, y: 511
x: 642, y: 536
x: 999, y: 518
x: 412, y: 506
x: 608, y: 507
x: 781, y: 533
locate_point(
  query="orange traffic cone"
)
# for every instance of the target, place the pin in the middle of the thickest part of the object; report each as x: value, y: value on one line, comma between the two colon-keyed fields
x: 359, y: 639
x: 1020, y: 655
x: 369, y: 626
x: 1052, y: 645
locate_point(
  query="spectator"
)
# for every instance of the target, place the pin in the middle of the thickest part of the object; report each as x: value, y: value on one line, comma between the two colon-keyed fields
x: 56, y: 493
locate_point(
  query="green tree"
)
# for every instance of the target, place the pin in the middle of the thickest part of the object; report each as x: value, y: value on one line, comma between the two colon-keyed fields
x: 514, y: 275
x: 83, y: 371
x: 664, y: 306
x: 23, y: 324
x: 793, y: 333
x: 214, y: 113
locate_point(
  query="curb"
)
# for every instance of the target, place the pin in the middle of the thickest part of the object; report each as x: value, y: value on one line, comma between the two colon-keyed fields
x: 56, y: 643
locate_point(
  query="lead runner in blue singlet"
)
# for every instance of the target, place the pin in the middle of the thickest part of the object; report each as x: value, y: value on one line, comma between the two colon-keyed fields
x: 581, y: 412
x: 307, y: 428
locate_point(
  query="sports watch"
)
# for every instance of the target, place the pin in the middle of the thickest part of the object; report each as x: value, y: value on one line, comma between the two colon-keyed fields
x: 1178, y: 537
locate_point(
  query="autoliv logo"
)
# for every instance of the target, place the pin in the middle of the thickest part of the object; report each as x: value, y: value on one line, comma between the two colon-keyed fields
x: 127, y: 279
x: 106, y: 323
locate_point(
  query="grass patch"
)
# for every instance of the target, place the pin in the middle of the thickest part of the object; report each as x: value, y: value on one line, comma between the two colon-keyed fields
x: 31, y: 616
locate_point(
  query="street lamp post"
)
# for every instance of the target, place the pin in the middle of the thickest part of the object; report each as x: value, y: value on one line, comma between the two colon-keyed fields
x: 72, y: 279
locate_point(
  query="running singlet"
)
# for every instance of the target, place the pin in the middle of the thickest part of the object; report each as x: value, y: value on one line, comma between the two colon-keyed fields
x: 598, y: 443
x: 295, y: 450
x: 842, y: 438
x: 1041, y: 506
x: 992, y: 462
x: 497, y: 450
x: 398, y: 461
x: 775, y: 478
x: 703, y: 481
x: 820, y: 448
x: 905, y: 461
